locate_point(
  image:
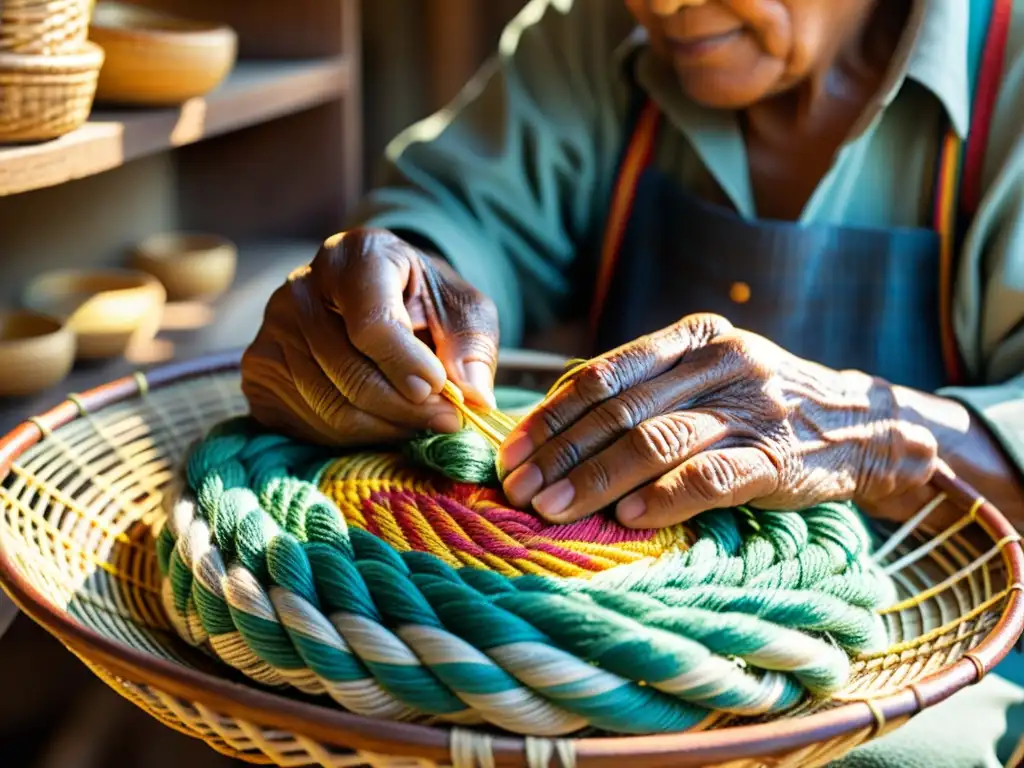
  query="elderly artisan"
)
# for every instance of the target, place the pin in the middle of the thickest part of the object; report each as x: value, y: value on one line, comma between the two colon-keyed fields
x: 830, y: 195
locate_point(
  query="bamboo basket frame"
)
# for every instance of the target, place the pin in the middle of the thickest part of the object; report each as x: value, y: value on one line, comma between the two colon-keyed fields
x: 116, y: 424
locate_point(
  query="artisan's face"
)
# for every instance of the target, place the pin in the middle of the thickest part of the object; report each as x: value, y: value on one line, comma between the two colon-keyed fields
x: 732, y: 53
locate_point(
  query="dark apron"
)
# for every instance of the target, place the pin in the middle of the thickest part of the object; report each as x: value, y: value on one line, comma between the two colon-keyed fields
x: 842, y: 296
x: 878, y: 300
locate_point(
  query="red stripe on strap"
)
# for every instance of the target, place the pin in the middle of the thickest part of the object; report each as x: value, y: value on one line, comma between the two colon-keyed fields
x: 989, y: 78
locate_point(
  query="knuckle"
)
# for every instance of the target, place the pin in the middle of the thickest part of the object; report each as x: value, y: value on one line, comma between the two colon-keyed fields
x: 357, y: 382
x: 599, y: 381
x: 733, y: 347
x: 552, y: 421
x: 375, y: 328
x: 594, y: 478
x: 477, y: 346
x: 484, y: 312
x: 655, y: 441
x: 711, y: 479
x: 332, y: 255
x: 705, y: 326
x: 616, y: 415
x: 633, y: 363
x: 558, y: 458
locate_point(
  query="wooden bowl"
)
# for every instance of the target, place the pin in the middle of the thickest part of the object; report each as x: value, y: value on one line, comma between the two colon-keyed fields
x: 191, y: 265
x: 156, y: 59
x: 36, y: 352
x: 108, y: 310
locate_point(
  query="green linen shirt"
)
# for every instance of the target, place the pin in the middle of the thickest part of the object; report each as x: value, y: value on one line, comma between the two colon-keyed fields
x: 511, y: 182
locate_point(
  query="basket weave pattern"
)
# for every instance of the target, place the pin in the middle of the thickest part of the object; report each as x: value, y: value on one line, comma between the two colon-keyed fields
x: 34, y: 106
x: 82, y: 502
x: 44, y: 26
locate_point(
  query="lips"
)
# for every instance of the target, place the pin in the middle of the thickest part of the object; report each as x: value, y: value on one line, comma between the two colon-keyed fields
x: 698, y: 47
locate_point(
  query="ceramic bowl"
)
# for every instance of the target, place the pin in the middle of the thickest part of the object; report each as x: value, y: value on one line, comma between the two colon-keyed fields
x: 36, y: 352
x: 157, y: 59
x: 109, y: 310
x: 191, y: 265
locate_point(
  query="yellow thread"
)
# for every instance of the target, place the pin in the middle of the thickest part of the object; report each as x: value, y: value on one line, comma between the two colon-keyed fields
x: 451, y: 393
x: 978, y: 502
x: 141, y: 382
x: 977, y: 665
x: 1017, y: 758
x: 954, y: 577
x: 938, y: 631
x: 1013, y: 538
x: 877, y: 713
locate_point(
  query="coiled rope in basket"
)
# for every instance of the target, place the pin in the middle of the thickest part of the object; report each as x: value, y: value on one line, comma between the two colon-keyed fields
x: 404, y: 592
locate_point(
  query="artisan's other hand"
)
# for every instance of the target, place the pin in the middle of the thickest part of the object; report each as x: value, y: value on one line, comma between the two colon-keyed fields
x: 702, y: 415
x: 355, y: 348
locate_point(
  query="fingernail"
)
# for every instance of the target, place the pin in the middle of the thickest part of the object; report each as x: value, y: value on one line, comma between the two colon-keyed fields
x: 478, y: 376
x: 445, y: 422
x: 553, y: 501
x: 631, y: 509
x: 515, y: 451
x: 419, y: 389
x: 523, y: 484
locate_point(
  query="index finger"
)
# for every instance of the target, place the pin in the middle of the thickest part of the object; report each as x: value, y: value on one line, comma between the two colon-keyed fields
x: 364, y: 278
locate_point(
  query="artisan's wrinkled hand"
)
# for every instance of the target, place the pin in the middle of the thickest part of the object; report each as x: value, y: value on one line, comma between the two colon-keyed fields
x: 702, y: 415
x: 355, y: 348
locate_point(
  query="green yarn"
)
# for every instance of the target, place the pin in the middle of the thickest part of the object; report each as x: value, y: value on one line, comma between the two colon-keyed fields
x: 759, y: 613
x: 465, y: 456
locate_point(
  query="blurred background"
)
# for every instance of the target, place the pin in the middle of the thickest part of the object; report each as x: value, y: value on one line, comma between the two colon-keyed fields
x: 208, y: 168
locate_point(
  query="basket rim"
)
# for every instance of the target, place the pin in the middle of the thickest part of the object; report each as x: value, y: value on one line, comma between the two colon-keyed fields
x: 349, y: 731
x: 89, y: 56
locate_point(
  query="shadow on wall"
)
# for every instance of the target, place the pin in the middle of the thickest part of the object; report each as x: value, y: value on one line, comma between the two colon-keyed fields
x: 417, y: 54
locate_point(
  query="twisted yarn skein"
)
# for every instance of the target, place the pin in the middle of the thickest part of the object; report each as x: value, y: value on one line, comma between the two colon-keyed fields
x: 402, y: 593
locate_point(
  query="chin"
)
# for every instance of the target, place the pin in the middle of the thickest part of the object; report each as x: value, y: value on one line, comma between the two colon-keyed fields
x: 726, y: 90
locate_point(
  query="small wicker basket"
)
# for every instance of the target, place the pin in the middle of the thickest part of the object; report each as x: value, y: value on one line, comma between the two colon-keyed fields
x: 43, y: 97
x: 48, y: 27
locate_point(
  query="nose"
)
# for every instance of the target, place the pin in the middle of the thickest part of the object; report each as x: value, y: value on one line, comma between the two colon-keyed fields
x: 669, y: 7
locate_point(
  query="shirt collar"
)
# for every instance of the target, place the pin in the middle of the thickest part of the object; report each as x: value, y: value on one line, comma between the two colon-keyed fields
x: 933, y: 53
x: 937, y: 57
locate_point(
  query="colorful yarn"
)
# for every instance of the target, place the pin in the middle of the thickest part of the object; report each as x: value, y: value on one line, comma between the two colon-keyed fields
x: 403, y: 595
x: 471, y: 525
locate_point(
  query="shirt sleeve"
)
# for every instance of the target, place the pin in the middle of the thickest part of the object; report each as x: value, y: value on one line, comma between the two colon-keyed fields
x: 509, y: 180
x: 989, y: 304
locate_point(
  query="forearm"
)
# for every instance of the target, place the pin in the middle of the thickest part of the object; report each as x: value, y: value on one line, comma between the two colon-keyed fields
x: 968, y: 447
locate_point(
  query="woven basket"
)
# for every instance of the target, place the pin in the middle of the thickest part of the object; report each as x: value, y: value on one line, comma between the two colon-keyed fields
x: 82, y: 499
x: 49, y: 27
x: 43, y: 97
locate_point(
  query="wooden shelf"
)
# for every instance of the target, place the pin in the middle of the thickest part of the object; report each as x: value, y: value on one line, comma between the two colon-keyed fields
x: 229, y: 323
x: 255, y: 92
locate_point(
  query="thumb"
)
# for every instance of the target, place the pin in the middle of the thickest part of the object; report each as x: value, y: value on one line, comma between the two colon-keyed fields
x: 464, y: 326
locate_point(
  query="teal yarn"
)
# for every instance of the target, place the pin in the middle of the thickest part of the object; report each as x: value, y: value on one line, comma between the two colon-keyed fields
x: 761, y: 612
